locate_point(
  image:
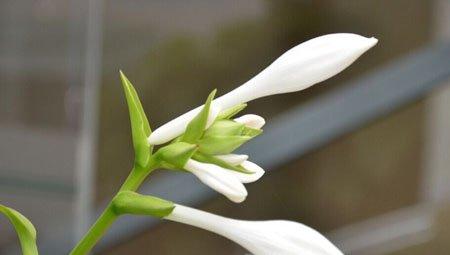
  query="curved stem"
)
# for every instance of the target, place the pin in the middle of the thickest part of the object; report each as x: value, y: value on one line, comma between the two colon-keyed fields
x: 107, y: 218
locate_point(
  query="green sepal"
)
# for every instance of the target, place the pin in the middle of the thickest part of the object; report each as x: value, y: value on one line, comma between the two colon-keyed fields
x: 175, y: 155
x: 219, y: 144
x: 24, y: 228
x: 129, y: 202
x: 197, y: 125
x: 216, y: 161
x: 225, y: 127
x: 140, y: 128
x: 232, y: 111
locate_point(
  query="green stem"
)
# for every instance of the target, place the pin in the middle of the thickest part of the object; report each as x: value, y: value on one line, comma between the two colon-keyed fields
x: 107, y: 218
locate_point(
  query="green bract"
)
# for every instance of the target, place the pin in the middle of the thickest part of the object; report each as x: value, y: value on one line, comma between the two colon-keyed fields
x: 175, y: 155
x: 128, y: 202
x: 197, y: 125
x: 140, y: 129
x: 24, y: 228
x: 230, y: 112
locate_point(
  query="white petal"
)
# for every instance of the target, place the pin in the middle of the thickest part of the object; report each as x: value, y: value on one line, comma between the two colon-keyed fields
x: 251, y: 121
x: 233, y: 159
x: 220, y: 179
x: 299, y: 68
x: 259, y: 237
x: 258, y: 172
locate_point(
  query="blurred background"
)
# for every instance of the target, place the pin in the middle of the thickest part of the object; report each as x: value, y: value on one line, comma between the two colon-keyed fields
x: 362, y: 157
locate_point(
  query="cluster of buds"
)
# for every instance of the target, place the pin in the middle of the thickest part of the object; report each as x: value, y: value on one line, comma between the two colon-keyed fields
x: 205, y: 149
x: 203, y: 140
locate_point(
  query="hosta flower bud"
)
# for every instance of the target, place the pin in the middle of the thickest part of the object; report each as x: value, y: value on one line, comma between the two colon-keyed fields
x: 219, y: 179
x: 225, y: 136
x: 175, y: 155
x: 299, y: 68
x: 221, y: 144
x: 129, y: 202
x: 259, y: 237
x: 251, y: 120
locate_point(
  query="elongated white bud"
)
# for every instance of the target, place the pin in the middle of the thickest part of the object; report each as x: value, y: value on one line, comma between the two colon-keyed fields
x: 251, y: 121
x: 299, y: 68
x: 220, y: 179
x: 233, y: 159
x: 259, y: 237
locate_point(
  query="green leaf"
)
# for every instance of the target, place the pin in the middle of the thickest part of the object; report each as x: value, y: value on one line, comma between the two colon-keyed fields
x: 225, y: 127
x: 196, y: 127
x: 128, y: 202
x: 140, y: 128
x: 216, y: 161
x: 230, y: 112
x: 24, y: 228
x: 175, y: 155
x: 217, y: 145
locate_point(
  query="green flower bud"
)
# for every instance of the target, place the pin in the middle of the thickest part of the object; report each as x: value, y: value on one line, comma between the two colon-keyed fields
x: 221, y: 144
x: 128, y: 202
x: 175, y: 155
x: 225, y: 127
x: 224, y: 136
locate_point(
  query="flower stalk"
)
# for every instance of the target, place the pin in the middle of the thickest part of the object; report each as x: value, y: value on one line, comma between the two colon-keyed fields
x: 109, y: 215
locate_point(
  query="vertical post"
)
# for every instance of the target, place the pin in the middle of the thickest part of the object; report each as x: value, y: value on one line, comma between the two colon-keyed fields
x: 437, y: 145
x: 87, y: 141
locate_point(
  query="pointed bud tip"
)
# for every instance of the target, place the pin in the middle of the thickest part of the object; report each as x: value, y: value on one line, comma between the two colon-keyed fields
x: 372, y: 41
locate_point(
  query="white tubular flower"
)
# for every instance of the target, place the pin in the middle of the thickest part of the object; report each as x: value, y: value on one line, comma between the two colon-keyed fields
x: 251, y: 121
x: 259, y: 237
x: 299, y: 68
x: 220, y: 179
x: 233, y: 159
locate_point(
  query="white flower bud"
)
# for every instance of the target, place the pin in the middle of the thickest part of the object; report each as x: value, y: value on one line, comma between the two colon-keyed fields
x: 220, y: 179
x: 233, y: 159
x: 251, y: 121
x: 259, y: 237
x: 299, y: 68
